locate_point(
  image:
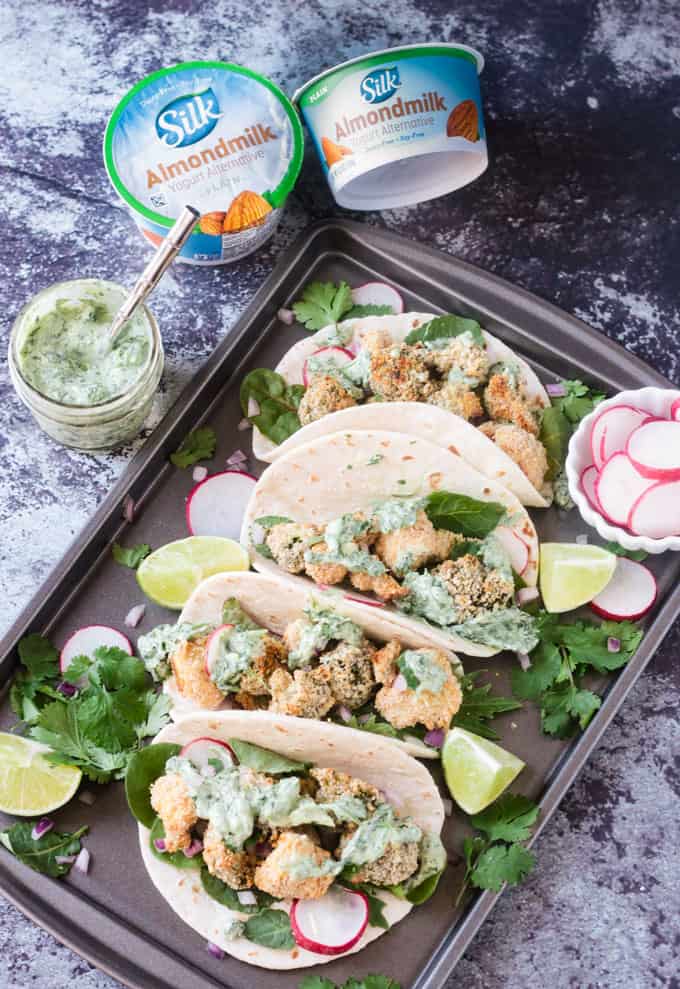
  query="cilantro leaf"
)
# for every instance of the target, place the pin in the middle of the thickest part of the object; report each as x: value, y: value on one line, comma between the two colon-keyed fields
x: 460, y: 513
x: 507, y: 819
x: 632, y: 554
x: 277, y: 401
x: 545, y: 666
x: 198, y: 445
x: 130, y: 556
x: 445, y: 328
x: 316, y: 982
x: 374, y: 725
x: 566, y: 707
x: 370, y: 309
x: 502, y: 864
x: 39, y: 656
x: 372, y: 982
x: 41, y: 854
x: 77, y: 669
x: 323, y: 303
x: 479, y: 705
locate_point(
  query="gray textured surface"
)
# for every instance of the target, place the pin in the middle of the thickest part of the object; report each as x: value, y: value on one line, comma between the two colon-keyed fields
x: 583, y: 113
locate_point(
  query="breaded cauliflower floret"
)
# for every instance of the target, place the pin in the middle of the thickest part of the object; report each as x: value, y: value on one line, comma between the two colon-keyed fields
x: 396, y: 864
x: 236, y: 869
x: 325, y: 573
x: 469, y: 358
x: 323, y: 395
x: 457, y: 398
x: 272, y: 656
x: 472, y: 587
x: 384, y: 586
x: 177, y: 811
x: 505, y: 404
x: 273, y: 877
x: 191, y: 676
x: 406, y: 708
x: 333, y: 784
x: 375, y: 340
x: 351, y: 673
x: 306, y: 694
x: 414, y: 546
x: 399, y: 374
x: 521, y: 446
x: 385, y: 661
x: 288, y: 542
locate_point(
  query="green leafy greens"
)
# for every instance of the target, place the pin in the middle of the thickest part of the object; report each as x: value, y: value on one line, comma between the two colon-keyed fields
x: 198, y: 445
x: 277, y: 401
x: 130, y: 556
x: 271, y: 929
x: 367, y: 982
x: 34, y: 683
x: 562, y: 417
x: 479, y: 706
x: 52, y: 854
x: 445, y: 328
x: 460, y: 513
x: 323, y: 303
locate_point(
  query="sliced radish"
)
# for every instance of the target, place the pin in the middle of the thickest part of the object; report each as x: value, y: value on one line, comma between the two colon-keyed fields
x: 656, y: 513
x: 215, y: 507
x: 201, y: 750
x: 629, y: 594
x: 212, y: 647
x: 611, y: 430
x: 340, y: 355
x: 618, y: 487
x: 371, y: 604
x: 331, y: 924
x: 588, y: 481
x: 378, y: 294
x: 675, y: 410
x: 514, y: 546
x: 86, y: 640
x: 654, y: 449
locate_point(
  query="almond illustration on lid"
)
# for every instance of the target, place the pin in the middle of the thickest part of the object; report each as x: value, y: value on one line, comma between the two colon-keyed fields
x: 248, y: 209
x: 212, y: 223
x: 464, y: 121
x: 333, y: 152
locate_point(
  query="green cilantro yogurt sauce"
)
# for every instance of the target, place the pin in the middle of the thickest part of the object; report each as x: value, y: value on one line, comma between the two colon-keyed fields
x: 65, y: 355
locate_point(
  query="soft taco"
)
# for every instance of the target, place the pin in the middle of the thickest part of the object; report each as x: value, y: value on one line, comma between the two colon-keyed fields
x: 256, y: 642
x: 282, y: 842
x: 402, y: 523
x: 442, y: 378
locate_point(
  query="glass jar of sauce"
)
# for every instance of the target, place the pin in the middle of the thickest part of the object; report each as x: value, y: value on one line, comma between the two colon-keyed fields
x: 81, y: 391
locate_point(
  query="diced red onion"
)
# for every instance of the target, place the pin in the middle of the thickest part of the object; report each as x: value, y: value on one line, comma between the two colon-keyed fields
x: 526, y: 594
x: 67, y: 689
x: 82, y: 862
x: 246, y: 898
x: 237, y: 457
x: 400, y: 684
x: 434, y: 738
x: 262, y: 849
x: 244, y: 424
x: 87, y: 798
x: 286, y: 316
x: 613, y: 644
x: 345, y: 713
x: 42, y: 827
x: 64, y: 859
x: 363, y: 718
x: 135, y: 615
x: 556, y: 389
x: 128, y: 508
x: 524, y: 660
x: 215, y: 950
x: 199, y: 473
x: 194, y: 849
x: 159, y: 844
x: 324, y: 587
x: 448, y: 806
x: 582, y: 539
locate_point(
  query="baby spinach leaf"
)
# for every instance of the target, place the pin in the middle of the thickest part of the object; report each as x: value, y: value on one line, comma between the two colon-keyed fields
x: 269, y: 521
x: 178, y: 859
x: 271, y: 929
x: 370, y: 309
x: 41, y: 854
x: 460, y: 513
x: 277, y: 400
x: 447, y: 327
x: 264, y: 760
x: 143, y: 770
x: 228, y: 897
x: 555, y: 434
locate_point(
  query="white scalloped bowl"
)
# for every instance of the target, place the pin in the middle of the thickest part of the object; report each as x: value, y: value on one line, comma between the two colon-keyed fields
x: 656, y: 401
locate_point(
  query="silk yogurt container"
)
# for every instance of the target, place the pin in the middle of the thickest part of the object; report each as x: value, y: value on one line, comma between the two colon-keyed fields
x: 211, y: 134
x: 398, y: 127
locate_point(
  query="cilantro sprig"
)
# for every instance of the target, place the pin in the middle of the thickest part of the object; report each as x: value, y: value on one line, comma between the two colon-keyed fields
x: 323, y: 303
x: 277, y: 403
x: 479, y: 706
x: 367, y: 982
x: 130, y: 556
x: 562, y: 417
x: 199, y: 444
x: 565, y: 654
x: 497, y: 856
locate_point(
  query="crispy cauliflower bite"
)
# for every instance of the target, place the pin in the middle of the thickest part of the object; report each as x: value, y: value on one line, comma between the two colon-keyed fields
x: 177, y: 811
x: 396, y: 864
x: 505, y: 404
x: 469, y: 358
x: 272, y: 876
x: 472, y: 588
x: 351, y: 673
x: 325, y: 573
x: 288, y: 541
x: 399, y: 374
x: 414, y: 546
x: 407, y: 708
x: 323, y: 396
x: 521, y: 446
x: 306, y: 694
x: 332, y: 784
x: 236, y: 869
x: 384, y: 586
x: 191, y: 675
x: 375, y: 340
x: 459, y: 399
x: 271, y: 657
x: 385, y: 662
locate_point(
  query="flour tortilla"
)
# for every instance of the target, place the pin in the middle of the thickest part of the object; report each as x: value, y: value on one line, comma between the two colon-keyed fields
x: 273, y: 603
x: 331, y: 476
x: 407, y: 785
x: 416, y: 418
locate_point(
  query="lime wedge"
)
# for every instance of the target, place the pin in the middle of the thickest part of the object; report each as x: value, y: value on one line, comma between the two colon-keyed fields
x: 29, y: 784
x: 571, y: 575
x: 476, y: 770
x: 171, y: 574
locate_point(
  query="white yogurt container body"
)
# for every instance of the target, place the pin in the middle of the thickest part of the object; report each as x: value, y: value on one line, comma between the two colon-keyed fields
x: 400, y: 126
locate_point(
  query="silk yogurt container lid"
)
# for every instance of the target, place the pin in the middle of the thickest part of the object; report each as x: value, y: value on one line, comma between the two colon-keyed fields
x: 215, y: 135
x: 399, y: 126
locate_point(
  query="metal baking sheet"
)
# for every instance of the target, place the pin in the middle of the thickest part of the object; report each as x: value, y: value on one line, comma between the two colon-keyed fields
x: 113, y: 916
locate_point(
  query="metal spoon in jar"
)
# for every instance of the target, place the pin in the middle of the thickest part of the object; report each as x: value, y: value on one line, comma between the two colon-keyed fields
x: 167, y: 252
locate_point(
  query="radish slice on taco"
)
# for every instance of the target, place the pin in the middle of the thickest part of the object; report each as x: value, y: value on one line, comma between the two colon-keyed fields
x: 256, y: 642
x: 397, y: 520
x: 307, y: 812
x: 441, y: 378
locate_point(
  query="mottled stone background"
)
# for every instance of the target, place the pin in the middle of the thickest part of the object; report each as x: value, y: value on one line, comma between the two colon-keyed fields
x: 579, y: 205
